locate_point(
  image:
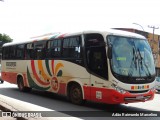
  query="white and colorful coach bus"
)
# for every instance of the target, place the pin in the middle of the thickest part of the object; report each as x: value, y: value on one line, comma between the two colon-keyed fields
x: 111, y: 67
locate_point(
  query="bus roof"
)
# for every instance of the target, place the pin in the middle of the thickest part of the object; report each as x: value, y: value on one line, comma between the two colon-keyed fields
x: 62, y: 35
x: 117, y: 32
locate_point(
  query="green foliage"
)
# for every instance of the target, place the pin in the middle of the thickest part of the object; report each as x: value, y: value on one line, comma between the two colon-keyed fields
x: 5, y: 38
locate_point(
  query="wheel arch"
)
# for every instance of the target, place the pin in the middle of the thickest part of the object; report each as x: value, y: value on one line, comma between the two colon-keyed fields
x: 18, y: 76
x: 70, y: 83
x: 24, y: 88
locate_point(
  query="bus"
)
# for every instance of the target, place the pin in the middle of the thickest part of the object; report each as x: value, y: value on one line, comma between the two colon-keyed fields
x: 112, y: 66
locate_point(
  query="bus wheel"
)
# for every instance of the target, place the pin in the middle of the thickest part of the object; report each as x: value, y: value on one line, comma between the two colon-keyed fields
x: 21, y: 85
x: 1, y: 81
x: 75, y: 94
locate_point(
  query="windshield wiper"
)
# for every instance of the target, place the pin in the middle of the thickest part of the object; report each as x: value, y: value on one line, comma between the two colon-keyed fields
x: 141, y: 59
x: 134, y: 61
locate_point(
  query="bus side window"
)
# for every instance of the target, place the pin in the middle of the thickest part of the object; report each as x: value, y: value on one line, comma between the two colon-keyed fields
x: 54, y: 48
x: 12, y: 52
x: 96, y: 54
x: 5, y: 53
x: 39, y: 50
x: 72, y: 47
x: 20, y: 52
x: 29, y: 51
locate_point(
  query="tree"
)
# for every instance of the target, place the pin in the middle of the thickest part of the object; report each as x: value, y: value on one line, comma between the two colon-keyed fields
x: 5, y: 38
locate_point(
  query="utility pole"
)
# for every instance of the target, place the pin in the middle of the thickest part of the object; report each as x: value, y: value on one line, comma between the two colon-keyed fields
x: 156, y: 53
x: 153, y: 27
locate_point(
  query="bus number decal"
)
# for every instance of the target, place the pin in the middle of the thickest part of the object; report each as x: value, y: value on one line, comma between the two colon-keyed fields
x: 98, y: 94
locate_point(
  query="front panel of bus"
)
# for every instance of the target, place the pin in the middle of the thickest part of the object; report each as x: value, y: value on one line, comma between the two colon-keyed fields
x: 125, y: 73
x: 132, y: 67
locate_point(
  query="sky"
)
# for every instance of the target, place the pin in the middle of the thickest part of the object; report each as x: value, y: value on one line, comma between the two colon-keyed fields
x: 23, y: 19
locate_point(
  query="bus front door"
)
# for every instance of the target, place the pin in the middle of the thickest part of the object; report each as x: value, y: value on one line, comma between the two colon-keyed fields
x: 95, y: 50
x: 99, y: 72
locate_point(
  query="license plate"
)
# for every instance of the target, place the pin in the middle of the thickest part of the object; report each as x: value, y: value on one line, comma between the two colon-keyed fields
x: 139, y: 97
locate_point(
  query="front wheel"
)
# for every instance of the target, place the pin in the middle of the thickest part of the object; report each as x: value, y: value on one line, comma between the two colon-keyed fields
x: 76, y: 94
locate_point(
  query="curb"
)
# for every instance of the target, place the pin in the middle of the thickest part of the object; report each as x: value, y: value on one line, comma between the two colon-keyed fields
x: 13, y: 106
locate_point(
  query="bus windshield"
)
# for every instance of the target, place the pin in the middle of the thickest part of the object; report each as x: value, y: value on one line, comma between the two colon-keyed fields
x: 131, y: 56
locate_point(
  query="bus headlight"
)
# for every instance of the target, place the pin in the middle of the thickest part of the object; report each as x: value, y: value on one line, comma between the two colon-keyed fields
x: 120, y: 90
x: 153, y: 89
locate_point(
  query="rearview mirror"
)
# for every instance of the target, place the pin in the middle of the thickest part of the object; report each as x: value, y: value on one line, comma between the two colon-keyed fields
x: 109, y: 52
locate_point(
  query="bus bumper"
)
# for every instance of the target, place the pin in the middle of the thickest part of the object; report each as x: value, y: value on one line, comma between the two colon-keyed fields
x: 114, y: 97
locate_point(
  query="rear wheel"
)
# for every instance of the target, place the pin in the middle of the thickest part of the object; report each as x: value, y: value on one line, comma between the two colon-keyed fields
x: 21, y: 85
x: 1, y: 81
x: 75, y: 94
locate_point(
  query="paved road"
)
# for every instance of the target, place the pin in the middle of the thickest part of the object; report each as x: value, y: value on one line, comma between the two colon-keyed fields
x: 59, y: 103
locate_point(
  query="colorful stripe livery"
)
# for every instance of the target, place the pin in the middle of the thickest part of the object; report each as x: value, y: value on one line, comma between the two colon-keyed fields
x: 140, y: 87
x: 42, y: 77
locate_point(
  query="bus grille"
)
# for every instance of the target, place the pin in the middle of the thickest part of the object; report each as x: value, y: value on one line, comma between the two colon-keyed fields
x: 143, y: 91
x: 143, y: 98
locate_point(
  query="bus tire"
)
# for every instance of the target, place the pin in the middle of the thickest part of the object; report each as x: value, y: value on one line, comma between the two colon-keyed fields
x: 75, y: 94
x: 21, y: 86
x: 1, y: 81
